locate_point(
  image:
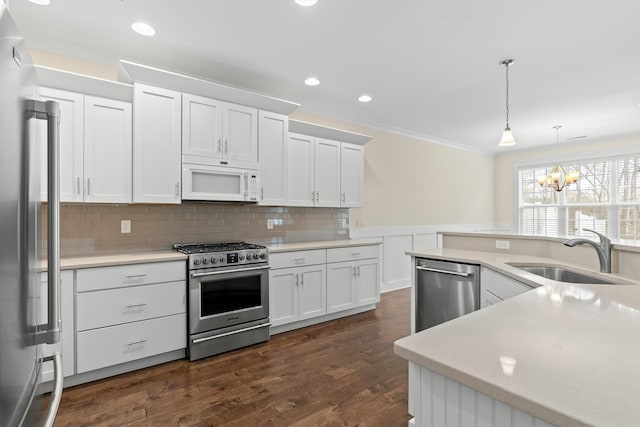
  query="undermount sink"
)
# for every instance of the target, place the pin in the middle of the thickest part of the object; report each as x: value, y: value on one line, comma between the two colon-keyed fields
x: 562, y: 274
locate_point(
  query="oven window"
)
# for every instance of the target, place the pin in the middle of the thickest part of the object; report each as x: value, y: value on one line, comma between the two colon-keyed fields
x: 222, y: 296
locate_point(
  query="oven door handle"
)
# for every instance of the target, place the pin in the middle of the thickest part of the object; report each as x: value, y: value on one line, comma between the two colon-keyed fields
x: 226, y: 334
x: 237, y: 270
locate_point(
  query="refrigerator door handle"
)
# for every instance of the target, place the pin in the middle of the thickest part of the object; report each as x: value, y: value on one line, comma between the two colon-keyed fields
x: 56, y: 394
x: 50, y: 111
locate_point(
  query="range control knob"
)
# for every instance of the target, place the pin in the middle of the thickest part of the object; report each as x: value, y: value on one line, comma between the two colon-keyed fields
x: 214, y: 260
x: 242, y: 257
x: 256, y: 256
x: 196, y: 262
x: 205, y: 261
x: 221, y: 259
x: 263, y: 256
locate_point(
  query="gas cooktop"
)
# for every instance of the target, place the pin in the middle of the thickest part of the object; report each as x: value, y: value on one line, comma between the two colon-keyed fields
x: 222, y: 254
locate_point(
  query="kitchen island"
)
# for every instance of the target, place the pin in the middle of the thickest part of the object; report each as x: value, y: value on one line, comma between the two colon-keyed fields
x: 560, y: 354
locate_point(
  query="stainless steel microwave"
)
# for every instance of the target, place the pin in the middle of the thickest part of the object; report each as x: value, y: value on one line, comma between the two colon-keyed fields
x: 205, y: 182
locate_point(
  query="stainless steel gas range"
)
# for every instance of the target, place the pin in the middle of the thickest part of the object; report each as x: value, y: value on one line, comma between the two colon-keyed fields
x: 228, y: 296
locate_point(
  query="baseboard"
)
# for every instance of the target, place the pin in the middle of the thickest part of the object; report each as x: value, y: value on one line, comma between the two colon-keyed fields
x: 321, y: 319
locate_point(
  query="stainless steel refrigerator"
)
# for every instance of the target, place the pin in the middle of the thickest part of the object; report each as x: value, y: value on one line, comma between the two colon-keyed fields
x: 22, y: 331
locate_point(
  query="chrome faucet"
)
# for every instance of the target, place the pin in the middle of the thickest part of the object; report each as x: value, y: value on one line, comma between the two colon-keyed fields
x: 603, y: 249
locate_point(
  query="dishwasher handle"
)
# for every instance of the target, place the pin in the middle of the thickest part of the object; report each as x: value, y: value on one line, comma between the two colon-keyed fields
x: 437, y: 270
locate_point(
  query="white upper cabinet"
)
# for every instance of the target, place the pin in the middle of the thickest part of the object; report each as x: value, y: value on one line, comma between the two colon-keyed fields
x: 217, y: 133
x: 327, y: 172
x: 107, y: 150
x: 274, y: 139
x: 351, y: 175
x: 201, y: 126
x: 314, y: 171
x: 156, y: 145
x: 300, y: 170
x: 95, y: 148
x: 240, y: 135
x: 71, y: 144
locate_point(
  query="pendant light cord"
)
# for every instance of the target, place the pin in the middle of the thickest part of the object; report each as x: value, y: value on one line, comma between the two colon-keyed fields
x: 507, y: 85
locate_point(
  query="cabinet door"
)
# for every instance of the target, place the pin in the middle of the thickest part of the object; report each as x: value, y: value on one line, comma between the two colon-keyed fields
x: 351, y: 175
x: 240, y: 135
x: 66, y: 346
x: 500, y: 285
x: 487, y: 298
x: 107, y: 150
x: 312, y: 300
x: 340, y: 286
x: 201, y: 126
x: 274, y: 137
x: 300, y: 170
x: 283, y: 296
x: 327, y: 172
x: 156, y: 145
x: 367, y: 282
x: 71, y: 144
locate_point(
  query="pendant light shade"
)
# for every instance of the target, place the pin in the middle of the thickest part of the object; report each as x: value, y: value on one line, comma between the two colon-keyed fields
x: 507, y: 139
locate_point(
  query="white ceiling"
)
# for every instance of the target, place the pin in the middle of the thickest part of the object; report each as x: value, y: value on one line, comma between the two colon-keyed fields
x: 432, y: 66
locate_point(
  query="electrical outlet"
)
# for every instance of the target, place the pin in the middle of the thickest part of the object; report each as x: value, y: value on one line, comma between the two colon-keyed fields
x: 344, y: 223
x: 503, y: 244
x: 269, y: 224
x: 125, y: 226
x: 360, y: 222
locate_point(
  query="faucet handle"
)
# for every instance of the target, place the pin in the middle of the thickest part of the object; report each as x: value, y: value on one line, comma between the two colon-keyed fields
x: 603, y: 239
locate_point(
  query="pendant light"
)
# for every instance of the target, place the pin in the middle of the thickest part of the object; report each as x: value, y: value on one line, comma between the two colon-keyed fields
x: 558, y: 179
x: 507, y: 136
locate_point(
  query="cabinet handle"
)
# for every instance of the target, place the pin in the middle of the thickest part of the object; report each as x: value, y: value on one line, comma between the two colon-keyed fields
x: 226, y: 146
x: 141, y: 304
x: 262, y: 193
x: 220, y: 145
x: 358, y: 271
x: 141, y: 341
x: 356, y: 253
x: 177, y: 189
x: 78, y: 185
x: 302, y: 279
x: 297, y: 279
x: 354, y: 271
x: 135, y: 278
x: 344, y: 197
x: 88, y: 186
x: 299, y: 260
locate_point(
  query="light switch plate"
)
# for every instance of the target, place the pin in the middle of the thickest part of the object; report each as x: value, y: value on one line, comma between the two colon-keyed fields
x: 125, y: 226
x: 269, y: 224
x: 503, y: 244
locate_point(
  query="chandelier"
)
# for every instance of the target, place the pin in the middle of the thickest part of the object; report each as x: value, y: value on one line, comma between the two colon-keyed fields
x: 558, y: 179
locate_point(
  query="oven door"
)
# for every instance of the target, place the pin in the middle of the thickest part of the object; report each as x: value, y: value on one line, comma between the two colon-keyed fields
x: 222, y: 297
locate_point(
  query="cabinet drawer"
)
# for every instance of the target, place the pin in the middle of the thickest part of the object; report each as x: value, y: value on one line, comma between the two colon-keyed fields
x: 116, y: 306
x: 93, y: 279
x: 353, y: 253
x: 297, y: 258
x: 99, y: 348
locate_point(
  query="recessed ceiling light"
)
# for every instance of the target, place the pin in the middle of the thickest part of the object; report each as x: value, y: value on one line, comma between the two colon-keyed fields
x: 143, y: 28
x: 311, y: 81
x: 306, y: 2
x: 41, y: 2
x: 365, y: 98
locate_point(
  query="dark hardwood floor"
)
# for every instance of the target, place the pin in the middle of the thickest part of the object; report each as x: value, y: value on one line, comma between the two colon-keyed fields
x: 339, y: 373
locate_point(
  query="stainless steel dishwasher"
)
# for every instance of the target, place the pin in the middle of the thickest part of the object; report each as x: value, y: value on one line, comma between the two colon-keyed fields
x: 444, y: 290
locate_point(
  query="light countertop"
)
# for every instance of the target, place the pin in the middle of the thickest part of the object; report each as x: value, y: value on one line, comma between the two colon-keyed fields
x: 327, y: 244
x: 576, y: 347
x: 70, y: 263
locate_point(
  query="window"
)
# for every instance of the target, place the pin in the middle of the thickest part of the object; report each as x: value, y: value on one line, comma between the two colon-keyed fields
x: 606, y: 198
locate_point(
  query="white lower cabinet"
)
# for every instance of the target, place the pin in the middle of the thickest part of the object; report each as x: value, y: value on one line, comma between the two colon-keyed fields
x: 297, y: 293
x: 496, y: 287
x: 352, y: 283
x: 99, y: 348
x: 129, y: 312
x: 310, y: 284
x: 67, y: 337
